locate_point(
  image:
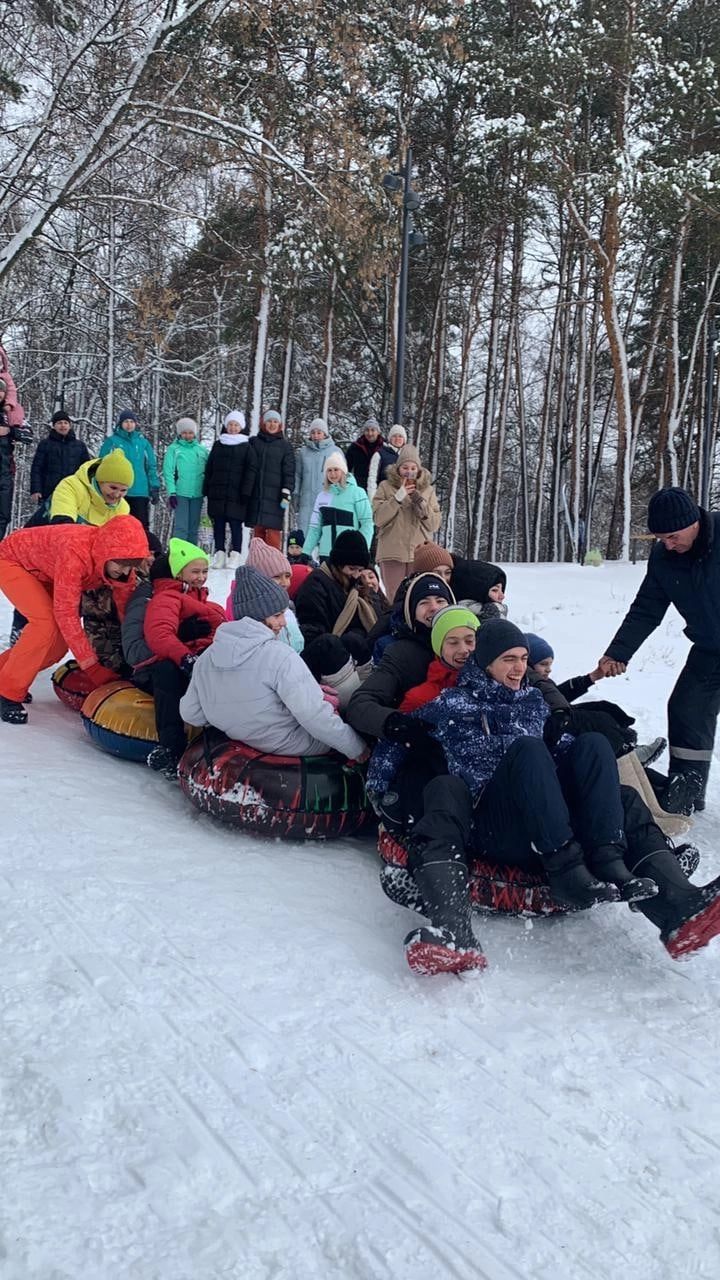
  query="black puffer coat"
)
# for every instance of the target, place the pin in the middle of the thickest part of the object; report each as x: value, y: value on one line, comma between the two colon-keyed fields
x: 691, y: 582
x: 358, y: 456
x: 270, y: 469
x: 403, y: 665
x: 55, y: 458
x: 318, y: 605
x: 228, y: 480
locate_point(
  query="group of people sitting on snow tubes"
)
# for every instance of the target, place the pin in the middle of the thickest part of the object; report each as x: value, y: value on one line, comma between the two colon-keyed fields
x: 472, y: 751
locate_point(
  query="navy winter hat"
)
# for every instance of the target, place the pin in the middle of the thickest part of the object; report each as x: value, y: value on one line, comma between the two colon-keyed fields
x: 350, y: 548
x: 538, y: 649
x: 61, y: 415
x: 255, y: 596
x: 419, y: 588
x: 670, y: 510
x: 496, y: 637
x: 296, y: 538
x: 124, y: 415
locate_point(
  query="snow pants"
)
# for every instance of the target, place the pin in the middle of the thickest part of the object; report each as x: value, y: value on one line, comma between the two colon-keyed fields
x: 40, y: 644
x: 693, y: 710
x: 140, y: 508
x: 167, y: 683
x: 236, y: 534
x: 187, y: 518
x: 531, y: 805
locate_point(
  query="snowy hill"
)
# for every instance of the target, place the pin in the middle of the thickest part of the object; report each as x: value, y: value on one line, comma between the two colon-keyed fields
x: 216, y: 1063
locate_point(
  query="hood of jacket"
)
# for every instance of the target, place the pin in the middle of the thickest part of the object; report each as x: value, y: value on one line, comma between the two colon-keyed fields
x: 236, y: 642
x: 472, y: 579
x: 122, y: 538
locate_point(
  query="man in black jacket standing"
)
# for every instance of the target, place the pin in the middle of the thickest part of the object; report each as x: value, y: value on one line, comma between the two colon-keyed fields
x: 57, y: 456
x: 684, y: 570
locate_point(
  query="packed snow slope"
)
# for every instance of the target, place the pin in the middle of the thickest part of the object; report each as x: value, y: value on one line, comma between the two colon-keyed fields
x: 215, y: 1063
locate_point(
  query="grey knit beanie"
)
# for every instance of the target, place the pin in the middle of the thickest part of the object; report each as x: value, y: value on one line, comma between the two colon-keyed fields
x: 254, y: 596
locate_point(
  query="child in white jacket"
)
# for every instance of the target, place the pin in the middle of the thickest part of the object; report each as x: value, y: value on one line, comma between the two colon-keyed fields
x: 258, y: 690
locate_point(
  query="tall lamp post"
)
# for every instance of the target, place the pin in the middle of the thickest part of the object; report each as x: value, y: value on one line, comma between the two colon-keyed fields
x: 410, y: 239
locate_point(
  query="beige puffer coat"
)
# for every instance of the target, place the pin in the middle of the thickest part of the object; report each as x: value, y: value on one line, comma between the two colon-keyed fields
x: 403, y: 525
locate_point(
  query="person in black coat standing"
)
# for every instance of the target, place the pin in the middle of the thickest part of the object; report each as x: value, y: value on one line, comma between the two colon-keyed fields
x: 225, y: 488
x: 360, y: 453
x: 270, y: 480
x: 57, y: 456
x: 684, y: 570
x: 9, y: 437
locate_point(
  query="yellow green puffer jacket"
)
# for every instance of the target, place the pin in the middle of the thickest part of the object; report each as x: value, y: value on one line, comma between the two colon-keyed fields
x: 77, y: 498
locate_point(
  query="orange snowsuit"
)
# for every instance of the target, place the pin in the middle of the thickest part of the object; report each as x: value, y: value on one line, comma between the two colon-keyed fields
x: 43, y: 572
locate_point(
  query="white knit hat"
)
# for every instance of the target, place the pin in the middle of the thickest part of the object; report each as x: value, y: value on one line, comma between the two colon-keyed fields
x: 397, y: 430
x: 186, y: 424
x: 336, y: 459
x: 235, y: 415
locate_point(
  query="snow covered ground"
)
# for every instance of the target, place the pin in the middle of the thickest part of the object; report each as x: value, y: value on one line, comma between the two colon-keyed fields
x: 215, y: 1063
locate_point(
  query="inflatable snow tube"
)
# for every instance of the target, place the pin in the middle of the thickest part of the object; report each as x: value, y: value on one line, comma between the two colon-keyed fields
x: 508, y: 891
x: 289, y: 797
x: 120, y: 719
x: 71, y: 685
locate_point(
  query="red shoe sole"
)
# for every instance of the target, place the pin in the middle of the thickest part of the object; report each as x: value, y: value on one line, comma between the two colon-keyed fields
x: 429, y: 958
x: 695, y: 933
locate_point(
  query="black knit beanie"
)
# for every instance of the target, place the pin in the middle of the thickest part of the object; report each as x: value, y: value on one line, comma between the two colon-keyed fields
x: 670, y: 510
x: 496, y: 637
x: 350, y: 548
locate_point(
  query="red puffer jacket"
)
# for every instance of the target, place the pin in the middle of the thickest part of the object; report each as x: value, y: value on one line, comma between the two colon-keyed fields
x: 439, y: 677
x: 71, y: 558
x: 171, y: 604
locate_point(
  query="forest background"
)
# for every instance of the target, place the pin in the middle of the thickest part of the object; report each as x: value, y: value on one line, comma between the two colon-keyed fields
x: 192, y: 218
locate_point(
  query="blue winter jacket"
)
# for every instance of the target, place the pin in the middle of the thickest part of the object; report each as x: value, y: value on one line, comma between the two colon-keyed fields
x: 140, y: 454
x: 475, y: 724
x: 691, y: 582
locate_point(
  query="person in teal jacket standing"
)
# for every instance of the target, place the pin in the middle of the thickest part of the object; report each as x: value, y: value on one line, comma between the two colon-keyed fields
x: 184, y: 472
x: 140, y: 454
x: 341, y: 504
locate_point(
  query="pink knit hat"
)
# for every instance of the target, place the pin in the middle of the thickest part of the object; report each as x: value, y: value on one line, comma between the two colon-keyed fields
x: 267, y: 560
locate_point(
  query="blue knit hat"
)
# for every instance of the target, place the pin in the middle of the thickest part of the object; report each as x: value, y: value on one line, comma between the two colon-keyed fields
x: 670, y: 510
x: 538, y: 649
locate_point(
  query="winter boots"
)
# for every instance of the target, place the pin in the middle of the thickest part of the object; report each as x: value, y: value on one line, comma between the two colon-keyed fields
x: 218, y: 560
x: 449, y: 944
x: 398, y: 884
x: 688, y: 917
x: 233, y: 561
x: 571, y: 883
x: 647, y: 753
x: 12, y: 712
x: 608, y: 863
x: 684, y: 792
x: 163, y: 760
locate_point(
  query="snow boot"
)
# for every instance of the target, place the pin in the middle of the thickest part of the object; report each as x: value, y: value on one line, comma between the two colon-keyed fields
x: 684, y: 792
x: 398, y: 884
x: 687, y: 857
x: 218, y: 560
x: 687, y: 916
x: 430, y: 951
x: 449, y: 946
x: 607, y: 862
x: 648, y: 752
x: 163, y: 760
x: 12, y: 712
x: 571, y: 883
x: 233, y: 560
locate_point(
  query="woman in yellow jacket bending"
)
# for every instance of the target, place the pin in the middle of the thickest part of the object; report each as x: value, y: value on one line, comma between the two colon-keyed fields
x: 95, y: 493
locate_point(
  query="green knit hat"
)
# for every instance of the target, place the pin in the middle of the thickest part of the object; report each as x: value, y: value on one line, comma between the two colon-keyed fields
x: 181, y: 553
x: 446, y: 620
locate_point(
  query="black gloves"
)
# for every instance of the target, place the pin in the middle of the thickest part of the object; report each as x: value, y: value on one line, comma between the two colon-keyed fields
x: 557, y: 723
x: 194, y: 629
x: 588, y: 719
x: 405, y: 730
x: 154, y: 494
x: 187, y: 664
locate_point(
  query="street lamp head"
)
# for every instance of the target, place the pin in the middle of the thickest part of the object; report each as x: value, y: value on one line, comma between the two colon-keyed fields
x: 412, y: 201
x: 392, y: 182
x: 417, y: 240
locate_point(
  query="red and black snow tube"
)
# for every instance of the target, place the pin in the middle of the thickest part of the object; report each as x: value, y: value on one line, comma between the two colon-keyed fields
x: 71, y: 685
x: 510, y: 891
x: 289, y: 797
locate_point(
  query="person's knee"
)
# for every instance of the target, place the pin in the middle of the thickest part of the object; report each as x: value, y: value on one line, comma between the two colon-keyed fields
x: 450, y: 797
x: 527, y: 753
x: 589, y: 746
